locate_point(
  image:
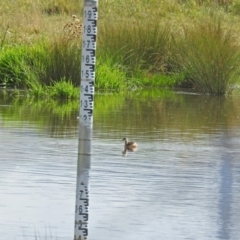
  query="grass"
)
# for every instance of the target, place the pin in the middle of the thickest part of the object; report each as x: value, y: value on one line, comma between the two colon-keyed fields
x: 140, y: 44
x: 110, y: 75
x: 14, y: 70
x: 136, y: 44
x: 206, y: 54
x: 64, y: 89
x: 63, y: 61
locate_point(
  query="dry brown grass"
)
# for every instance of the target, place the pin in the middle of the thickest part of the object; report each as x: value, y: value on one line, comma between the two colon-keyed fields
x: 28, y: 21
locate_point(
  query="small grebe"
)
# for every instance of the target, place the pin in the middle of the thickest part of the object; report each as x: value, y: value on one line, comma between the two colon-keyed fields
x: 129, y: 145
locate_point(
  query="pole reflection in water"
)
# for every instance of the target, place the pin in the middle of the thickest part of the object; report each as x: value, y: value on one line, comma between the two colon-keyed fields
x: 226, y: 185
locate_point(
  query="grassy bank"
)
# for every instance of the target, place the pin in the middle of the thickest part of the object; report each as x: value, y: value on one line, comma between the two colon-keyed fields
x: 140, y: 44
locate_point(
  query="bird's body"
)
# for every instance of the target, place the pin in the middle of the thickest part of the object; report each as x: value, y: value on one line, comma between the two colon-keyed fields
x: 129, y: 145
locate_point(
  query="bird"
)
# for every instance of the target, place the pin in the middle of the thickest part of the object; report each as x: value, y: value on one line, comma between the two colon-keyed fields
x: 129, y: 145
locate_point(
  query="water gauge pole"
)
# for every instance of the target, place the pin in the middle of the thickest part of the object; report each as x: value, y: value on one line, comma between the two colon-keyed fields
x: 86, y: 118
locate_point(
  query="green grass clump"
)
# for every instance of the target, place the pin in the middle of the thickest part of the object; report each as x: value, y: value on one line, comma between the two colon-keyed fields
x: 112, y: 76
x: 14, y: 70
x: 206, y: 53
x: 37, y: 90
x: 159, y: 80
x: 22, y: 66
x: 109, y: 76
x: 49, y: 69
x: 64, y: 89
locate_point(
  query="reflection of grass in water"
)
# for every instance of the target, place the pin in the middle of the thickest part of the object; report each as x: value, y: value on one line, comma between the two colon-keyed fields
x: 108, y: 102
x: 40, y: 111
x: 31, y: 109
x: 117, y: 101
x: 55, y: 116
x: 135, y: 113
x: 62, y: 109
x: 154, y: 114
x: 130, y: 112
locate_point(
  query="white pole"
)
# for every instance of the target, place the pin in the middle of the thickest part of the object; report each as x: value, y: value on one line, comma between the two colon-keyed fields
x: 86, y: 118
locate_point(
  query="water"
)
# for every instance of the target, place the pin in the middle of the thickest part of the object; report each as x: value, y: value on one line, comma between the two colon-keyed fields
x: 182, y: 183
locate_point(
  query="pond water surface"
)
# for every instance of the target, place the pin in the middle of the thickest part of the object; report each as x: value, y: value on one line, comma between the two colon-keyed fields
x: 182, y: 183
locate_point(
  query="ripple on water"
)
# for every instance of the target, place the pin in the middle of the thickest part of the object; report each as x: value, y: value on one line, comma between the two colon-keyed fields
x: 180, y: 184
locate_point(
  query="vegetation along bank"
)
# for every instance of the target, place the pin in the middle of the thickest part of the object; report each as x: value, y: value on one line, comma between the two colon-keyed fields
x: 141, y: 43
